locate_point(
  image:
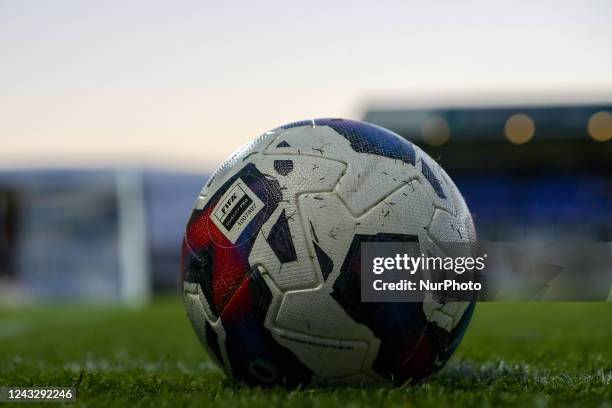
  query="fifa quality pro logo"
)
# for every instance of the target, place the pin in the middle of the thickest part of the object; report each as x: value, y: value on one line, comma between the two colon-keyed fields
x: 235, y: 210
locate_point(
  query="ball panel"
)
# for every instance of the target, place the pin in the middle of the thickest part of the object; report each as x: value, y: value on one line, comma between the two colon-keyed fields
x: 204, y: 330
x: 310, y: 174
x: 446, y: 203
x: 432, y: 179
x: 281, y: 241
x: 315, y: 313
x: 328, y: 358
x: 255, y: 356
x: 372, y: 139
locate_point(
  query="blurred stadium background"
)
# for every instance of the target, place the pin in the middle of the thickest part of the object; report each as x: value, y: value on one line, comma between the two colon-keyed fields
x: 113, y: 116
x: 527, y: 172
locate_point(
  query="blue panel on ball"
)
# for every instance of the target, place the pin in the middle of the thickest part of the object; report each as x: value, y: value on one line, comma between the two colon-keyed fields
x: 372, y: 139
x: 433, y: 180
x: 281, y: 241
x: 283, y: 167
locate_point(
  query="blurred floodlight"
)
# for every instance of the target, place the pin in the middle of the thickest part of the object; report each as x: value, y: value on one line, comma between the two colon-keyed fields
x: 435, y: 131
x: 519, y: 128
x: 600, y: 126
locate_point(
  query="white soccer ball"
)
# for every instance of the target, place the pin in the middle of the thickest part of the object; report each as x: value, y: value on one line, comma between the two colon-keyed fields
x: 273, y: 240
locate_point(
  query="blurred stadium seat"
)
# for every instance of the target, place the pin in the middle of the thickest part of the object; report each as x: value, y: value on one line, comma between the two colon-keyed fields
x: 527, y: 172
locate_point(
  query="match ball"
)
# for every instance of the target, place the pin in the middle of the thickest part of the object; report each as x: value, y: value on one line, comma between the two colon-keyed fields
x: 271, y: 257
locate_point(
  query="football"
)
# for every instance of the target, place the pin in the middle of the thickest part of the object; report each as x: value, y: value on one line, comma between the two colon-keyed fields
x: 271, y: 250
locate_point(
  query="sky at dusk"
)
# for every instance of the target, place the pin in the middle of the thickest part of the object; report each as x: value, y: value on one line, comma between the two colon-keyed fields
x: 182, y: 84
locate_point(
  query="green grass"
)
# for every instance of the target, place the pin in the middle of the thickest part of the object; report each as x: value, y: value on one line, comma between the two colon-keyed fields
x: 543, y: 354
